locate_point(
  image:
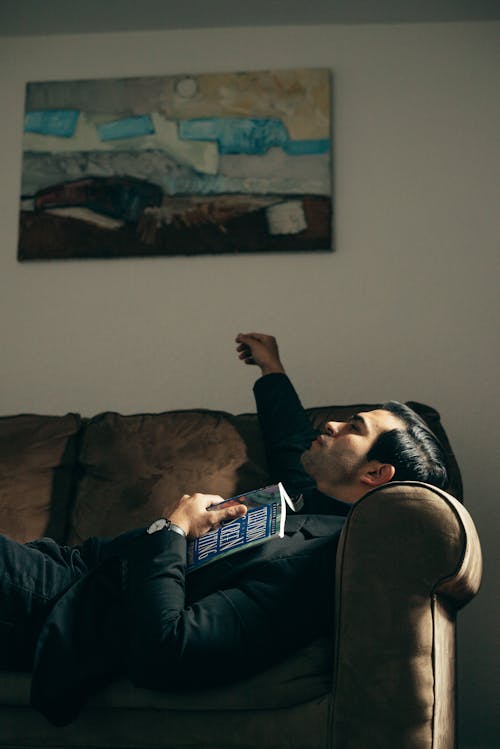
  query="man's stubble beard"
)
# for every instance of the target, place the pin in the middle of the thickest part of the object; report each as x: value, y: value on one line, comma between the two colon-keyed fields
x: 334, y: 470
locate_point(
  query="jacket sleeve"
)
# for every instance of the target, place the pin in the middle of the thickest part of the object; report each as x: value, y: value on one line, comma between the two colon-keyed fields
x: 95, y: 550
x: 225, y: 635
x: 286, y: 431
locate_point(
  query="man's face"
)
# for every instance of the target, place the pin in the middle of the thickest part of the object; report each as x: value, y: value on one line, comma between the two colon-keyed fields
x: 337, y: 458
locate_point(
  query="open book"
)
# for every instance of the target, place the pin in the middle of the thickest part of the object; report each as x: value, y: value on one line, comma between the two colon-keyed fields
x: 265, y: 519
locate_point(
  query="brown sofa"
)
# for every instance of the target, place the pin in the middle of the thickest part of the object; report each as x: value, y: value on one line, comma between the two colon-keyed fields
x: 409, y: 557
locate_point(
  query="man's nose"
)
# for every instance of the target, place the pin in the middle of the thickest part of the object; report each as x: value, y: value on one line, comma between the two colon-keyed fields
x: 333, y: 428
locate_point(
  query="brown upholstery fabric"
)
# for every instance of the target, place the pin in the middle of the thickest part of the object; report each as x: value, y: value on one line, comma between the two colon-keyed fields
x: 401, y: 543
x: 300, y: 727
x: 464, y: 585
x: 305, y: 675
x: 136, y: 467
x: 37, y: 462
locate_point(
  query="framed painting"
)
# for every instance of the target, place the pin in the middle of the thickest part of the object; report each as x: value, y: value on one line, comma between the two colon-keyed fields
x: 177, y: 165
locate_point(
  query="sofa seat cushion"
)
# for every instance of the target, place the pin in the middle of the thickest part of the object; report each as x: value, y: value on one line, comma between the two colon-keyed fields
x: 37, y: 472
x: 304, y: 676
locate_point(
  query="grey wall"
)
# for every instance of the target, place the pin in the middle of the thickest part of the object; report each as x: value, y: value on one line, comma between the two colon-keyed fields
x: 405, y: 308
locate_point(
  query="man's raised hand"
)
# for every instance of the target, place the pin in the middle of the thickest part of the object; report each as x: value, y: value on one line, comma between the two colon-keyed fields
x: 192, y: 514
x: 259, y: 349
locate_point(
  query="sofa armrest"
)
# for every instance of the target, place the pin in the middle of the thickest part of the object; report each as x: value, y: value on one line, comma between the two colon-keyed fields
x: 408, y: 558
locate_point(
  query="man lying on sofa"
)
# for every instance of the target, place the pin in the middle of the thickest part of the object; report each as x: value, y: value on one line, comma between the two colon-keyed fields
x: 334, y: 469
x: 81, y: 617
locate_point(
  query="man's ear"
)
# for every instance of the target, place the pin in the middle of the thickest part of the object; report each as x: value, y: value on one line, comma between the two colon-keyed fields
x: 377, y: 473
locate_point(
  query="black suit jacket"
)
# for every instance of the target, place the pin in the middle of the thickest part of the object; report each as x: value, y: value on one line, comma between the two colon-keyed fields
x: 138, y: 614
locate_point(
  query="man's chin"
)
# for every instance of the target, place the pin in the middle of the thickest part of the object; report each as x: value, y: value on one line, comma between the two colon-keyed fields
x: 305, y: 459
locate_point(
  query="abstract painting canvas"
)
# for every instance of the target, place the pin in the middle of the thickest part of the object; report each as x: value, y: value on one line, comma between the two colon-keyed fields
x: 177, y: 165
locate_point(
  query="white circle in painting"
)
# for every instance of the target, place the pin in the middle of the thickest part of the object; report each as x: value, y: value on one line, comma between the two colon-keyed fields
x: 187, y: 87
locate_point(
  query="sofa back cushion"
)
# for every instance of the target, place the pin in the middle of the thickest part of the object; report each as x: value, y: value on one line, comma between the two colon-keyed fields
x: 136, y: 467
x: 37, y: 472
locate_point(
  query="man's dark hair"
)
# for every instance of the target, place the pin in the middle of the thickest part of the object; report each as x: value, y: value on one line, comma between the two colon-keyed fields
x: 414, y: 451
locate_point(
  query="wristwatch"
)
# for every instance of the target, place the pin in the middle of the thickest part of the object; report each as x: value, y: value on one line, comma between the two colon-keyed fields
x: 164, y: 524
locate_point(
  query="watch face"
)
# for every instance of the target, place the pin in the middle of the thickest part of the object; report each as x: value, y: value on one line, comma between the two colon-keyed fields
x: 157, y: 525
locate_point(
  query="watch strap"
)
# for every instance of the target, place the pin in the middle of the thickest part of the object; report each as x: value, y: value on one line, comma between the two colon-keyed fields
x: 164, y: 524
x: 175, y: 528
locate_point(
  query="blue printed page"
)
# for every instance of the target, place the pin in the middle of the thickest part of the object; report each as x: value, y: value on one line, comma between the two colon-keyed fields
x: 265, y: 519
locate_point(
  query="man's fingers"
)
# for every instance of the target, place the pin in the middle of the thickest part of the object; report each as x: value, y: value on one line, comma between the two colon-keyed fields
x: 245, y: 353
x: 246, y: 342
x: 210, y: 499
x: 247, y: 357
x: 250, y: 337
x: 200, y: 513
x: 226, y: 514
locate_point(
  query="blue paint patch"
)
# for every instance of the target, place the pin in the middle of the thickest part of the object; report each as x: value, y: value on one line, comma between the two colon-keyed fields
x: 128, y: 127
x: 58, y: 122
x: 307, y: 147
x: 236, y: 135
x: 249, y: 136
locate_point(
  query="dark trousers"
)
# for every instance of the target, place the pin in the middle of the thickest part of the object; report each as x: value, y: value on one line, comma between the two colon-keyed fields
x: 33, y: 577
